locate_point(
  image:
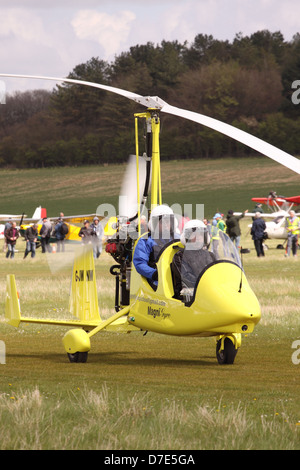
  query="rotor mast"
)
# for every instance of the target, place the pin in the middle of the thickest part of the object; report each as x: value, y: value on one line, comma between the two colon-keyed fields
x: 152, y: 119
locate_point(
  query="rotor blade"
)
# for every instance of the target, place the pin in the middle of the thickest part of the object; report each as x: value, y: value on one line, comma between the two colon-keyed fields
x: 126, y: 94
x: 254, y: 142
x: 154, y: 102
x: 148, y: 101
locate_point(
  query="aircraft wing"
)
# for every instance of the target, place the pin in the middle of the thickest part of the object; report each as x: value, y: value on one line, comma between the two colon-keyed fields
x: 269, y: 201
x: 294, y: 199
x: 267, y: 215
x: 77, y: 219
x: 6, y: 217
x: 248, y: 214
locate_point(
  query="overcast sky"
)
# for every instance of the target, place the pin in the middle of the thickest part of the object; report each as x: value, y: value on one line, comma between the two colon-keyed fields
x: 51, y: 37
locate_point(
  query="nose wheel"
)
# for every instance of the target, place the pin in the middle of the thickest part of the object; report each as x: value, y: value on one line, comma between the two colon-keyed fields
x: 78, y: 357
x: 226, y: 350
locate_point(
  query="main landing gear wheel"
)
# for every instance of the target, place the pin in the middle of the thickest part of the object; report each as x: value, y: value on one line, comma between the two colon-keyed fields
x: 227, y: 355
x: 78, y: 357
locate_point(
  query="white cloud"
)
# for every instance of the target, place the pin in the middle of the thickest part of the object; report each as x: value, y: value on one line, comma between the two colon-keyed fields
x: 187, y: 19
x: 51, y: 37
x: 110, y: 31
x: 26, y: 25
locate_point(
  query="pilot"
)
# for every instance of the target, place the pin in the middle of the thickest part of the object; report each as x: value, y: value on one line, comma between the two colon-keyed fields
x: 188, y: 263
x: 162, y: 227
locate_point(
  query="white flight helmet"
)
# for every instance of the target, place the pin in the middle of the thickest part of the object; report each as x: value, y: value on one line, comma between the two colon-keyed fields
x: 164, y: 213
x: 195, y: 230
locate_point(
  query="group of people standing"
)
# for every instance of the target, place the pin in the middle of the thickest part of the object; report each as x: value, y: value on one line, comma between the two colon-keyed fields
x: 258, y: 230
x: 231, y: 226
x: 92, y: 233
x: 11, y: 235
x: 89, y: 233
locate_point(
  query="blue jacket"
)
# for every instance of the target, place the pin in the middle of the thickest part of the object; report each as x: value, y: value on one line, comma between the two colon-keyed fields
x: 142, y: 253
x: 141, y: 257
x: 58, y: 231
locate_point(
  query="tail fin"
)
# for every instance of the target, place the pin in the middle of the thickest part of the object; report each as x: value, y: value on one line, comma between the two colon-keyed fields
x: 12, y: 304
x: 39, y: 213
x: 83, y: 302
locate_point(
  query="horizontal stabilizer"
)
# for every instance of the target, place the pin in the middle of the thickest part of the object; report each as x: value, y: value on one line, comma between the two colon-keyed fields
x: 84, y: 302
x: 13, y: 314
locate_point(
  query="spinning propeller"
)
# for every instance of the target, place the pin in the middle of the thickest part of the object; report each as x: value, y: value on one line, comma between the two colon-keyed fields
x: 153, y: 102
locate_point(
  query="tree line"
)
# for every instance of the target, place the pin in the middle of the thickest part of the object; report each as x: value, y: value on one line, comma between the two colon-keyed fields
x: 246, y: 82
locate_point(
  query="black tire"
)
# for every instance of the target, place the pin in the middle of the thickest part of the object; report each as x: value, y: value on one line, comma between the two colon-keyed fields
x: 227, y: 356
x: 78, y: 357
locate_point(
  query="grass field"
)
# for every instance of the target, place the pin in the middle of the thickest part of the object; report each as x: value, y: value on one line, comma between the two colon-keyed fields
x: 149, y: 392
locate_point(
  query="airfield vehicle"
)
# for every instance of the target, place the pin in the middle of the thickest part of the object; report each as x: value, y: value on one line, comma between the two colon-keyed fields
x: 221, y: 304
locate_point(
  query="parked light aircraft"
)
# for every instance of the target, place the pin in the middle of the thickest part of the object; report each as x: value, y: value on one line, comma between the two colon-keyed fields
x: 221, y: 304
x: 275, y: 228
x: 5, y: 217
x: 278, y: 202
x: 20, y: 218
x: 73, y: 223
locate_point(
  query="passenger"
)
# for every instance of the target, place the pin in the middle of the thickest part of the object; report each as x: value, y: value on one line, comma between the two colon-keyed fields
x: 188, y: 263
x: 162, y: 228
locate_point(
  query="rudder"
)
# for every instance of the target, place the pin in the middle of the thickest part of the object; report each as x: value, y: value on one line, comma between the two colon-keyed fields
x: 83, y: 301
x: 12, y: 304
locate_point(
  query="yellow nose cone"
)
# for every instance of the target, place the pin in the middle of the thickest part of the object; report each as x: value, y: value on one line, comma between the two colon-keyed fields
x: 224, y: 293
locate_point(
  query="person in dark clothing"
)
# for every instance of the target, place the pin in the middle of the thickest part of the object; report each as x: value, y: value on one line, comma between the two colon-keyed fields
x: 45, y: 234
x: 60, y: 234
x: 257, y: 232
x: 31, y: 235
x: 6, y: 228
x: 233, y: 229
x: 87, y: 233
x: 11, y: 235
x: 97, y: 240
x: 188, y: 263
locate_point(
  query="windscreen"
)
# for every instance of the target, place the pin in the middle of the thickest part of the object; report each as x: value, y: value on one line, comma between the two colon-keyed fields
x: 224, y: 249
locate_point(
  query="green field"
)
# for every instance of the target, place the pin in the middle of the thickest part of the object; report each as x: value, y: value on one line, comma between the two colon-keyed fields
x: 218, y: 184
x: 149, y: 392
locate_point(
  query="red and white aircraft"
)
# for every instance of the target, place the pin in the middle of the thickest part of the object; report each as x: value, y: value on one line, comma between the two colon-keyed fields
x: 278, y: 202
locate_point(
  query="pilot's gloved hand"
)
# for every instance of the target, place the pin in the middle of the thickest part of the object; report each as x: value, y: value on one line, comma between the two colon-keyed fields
x: 155, y: 276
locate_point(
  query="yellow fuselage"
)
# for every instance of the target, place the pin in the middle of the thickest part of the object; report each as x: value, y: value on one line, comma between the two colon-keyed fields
x: 223, y: 302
